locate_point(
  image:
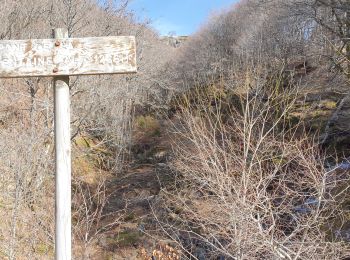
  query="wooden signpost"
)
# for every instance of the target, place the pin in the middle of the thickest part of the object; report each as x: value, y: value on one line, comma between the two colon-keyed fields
x: 67, y: 56
x: 60, y: 58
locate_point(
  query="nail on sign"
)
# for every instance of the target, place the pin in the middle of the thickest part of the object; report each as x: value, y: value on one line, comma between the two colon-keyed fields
x: 69, y: 56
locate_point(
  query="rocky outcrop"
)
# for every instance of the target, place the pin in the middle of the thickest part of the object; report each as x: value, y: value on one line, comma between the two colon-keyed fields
x: 174, y: 41
x: 337, y: 131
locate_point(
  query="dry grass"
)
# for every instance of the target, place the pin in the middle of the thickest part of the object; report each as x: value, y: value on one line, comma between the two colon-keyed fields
x: 162, y: 252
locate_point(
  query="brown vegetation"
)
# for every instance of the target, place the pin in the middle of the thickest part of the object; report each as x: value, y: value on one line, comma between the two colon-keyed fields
x: 233, y: 145
x: 251, y: 185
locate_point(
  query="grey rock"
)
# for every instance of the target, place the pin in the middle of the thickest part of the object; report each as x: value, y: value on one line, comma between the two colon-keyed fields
x: 338, y: 126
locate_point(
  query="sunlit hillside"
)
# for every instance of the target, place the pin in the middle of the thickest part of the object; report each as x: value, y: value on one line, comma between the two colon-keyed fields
x: 230, y: 143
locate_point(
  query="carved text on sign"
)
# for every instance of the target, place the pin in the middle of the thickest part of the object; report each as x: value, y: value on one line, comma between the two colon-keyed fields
x: 72, y: 56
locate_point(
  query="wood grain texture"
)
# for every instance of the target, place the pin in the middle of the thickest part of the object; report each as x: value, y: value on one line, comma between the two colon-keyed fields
x: 63, y: 173
x: 64, y: 57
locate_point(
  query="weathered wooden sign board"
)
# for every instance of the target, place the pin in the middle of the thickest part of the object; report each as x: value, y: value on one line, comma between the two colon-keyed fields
x: 62, y: 57
x: 67, y: 56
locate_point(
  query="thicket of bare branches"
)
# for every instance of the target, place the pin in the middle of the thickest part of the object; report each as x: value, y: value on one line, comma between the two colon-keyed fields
x: 249, y: 185
x: 270, y: 32
x: 101, y: 107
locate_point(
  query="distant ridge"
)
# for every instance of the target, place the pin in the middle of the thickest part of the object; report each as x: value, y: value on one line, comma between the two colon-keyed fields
x: 174, y: 41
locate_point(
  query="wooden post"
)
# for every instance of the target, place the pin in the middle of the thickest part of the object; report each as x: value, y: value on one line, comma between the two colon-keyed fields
x: 63, y: 235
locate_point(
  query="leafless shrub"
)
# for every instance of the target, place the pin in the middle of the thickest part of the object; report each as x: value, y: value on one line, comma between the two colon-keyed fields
x: 25, y: 178
x: 250, y: 186
x: 91, y: 218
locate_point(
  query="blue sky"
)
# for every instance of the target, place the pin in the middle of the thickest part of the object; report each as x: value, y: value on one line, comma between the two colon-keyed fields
x: 181, y: 16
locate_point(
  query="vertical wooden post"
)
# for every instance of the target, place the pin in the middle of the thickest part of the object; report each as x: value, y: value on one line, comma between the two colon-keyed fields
x: 63, y: 235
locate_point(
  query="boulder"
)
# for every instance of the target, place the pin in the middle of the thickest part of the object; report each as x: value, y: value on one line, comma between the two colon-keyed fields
x: 337, y: 131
